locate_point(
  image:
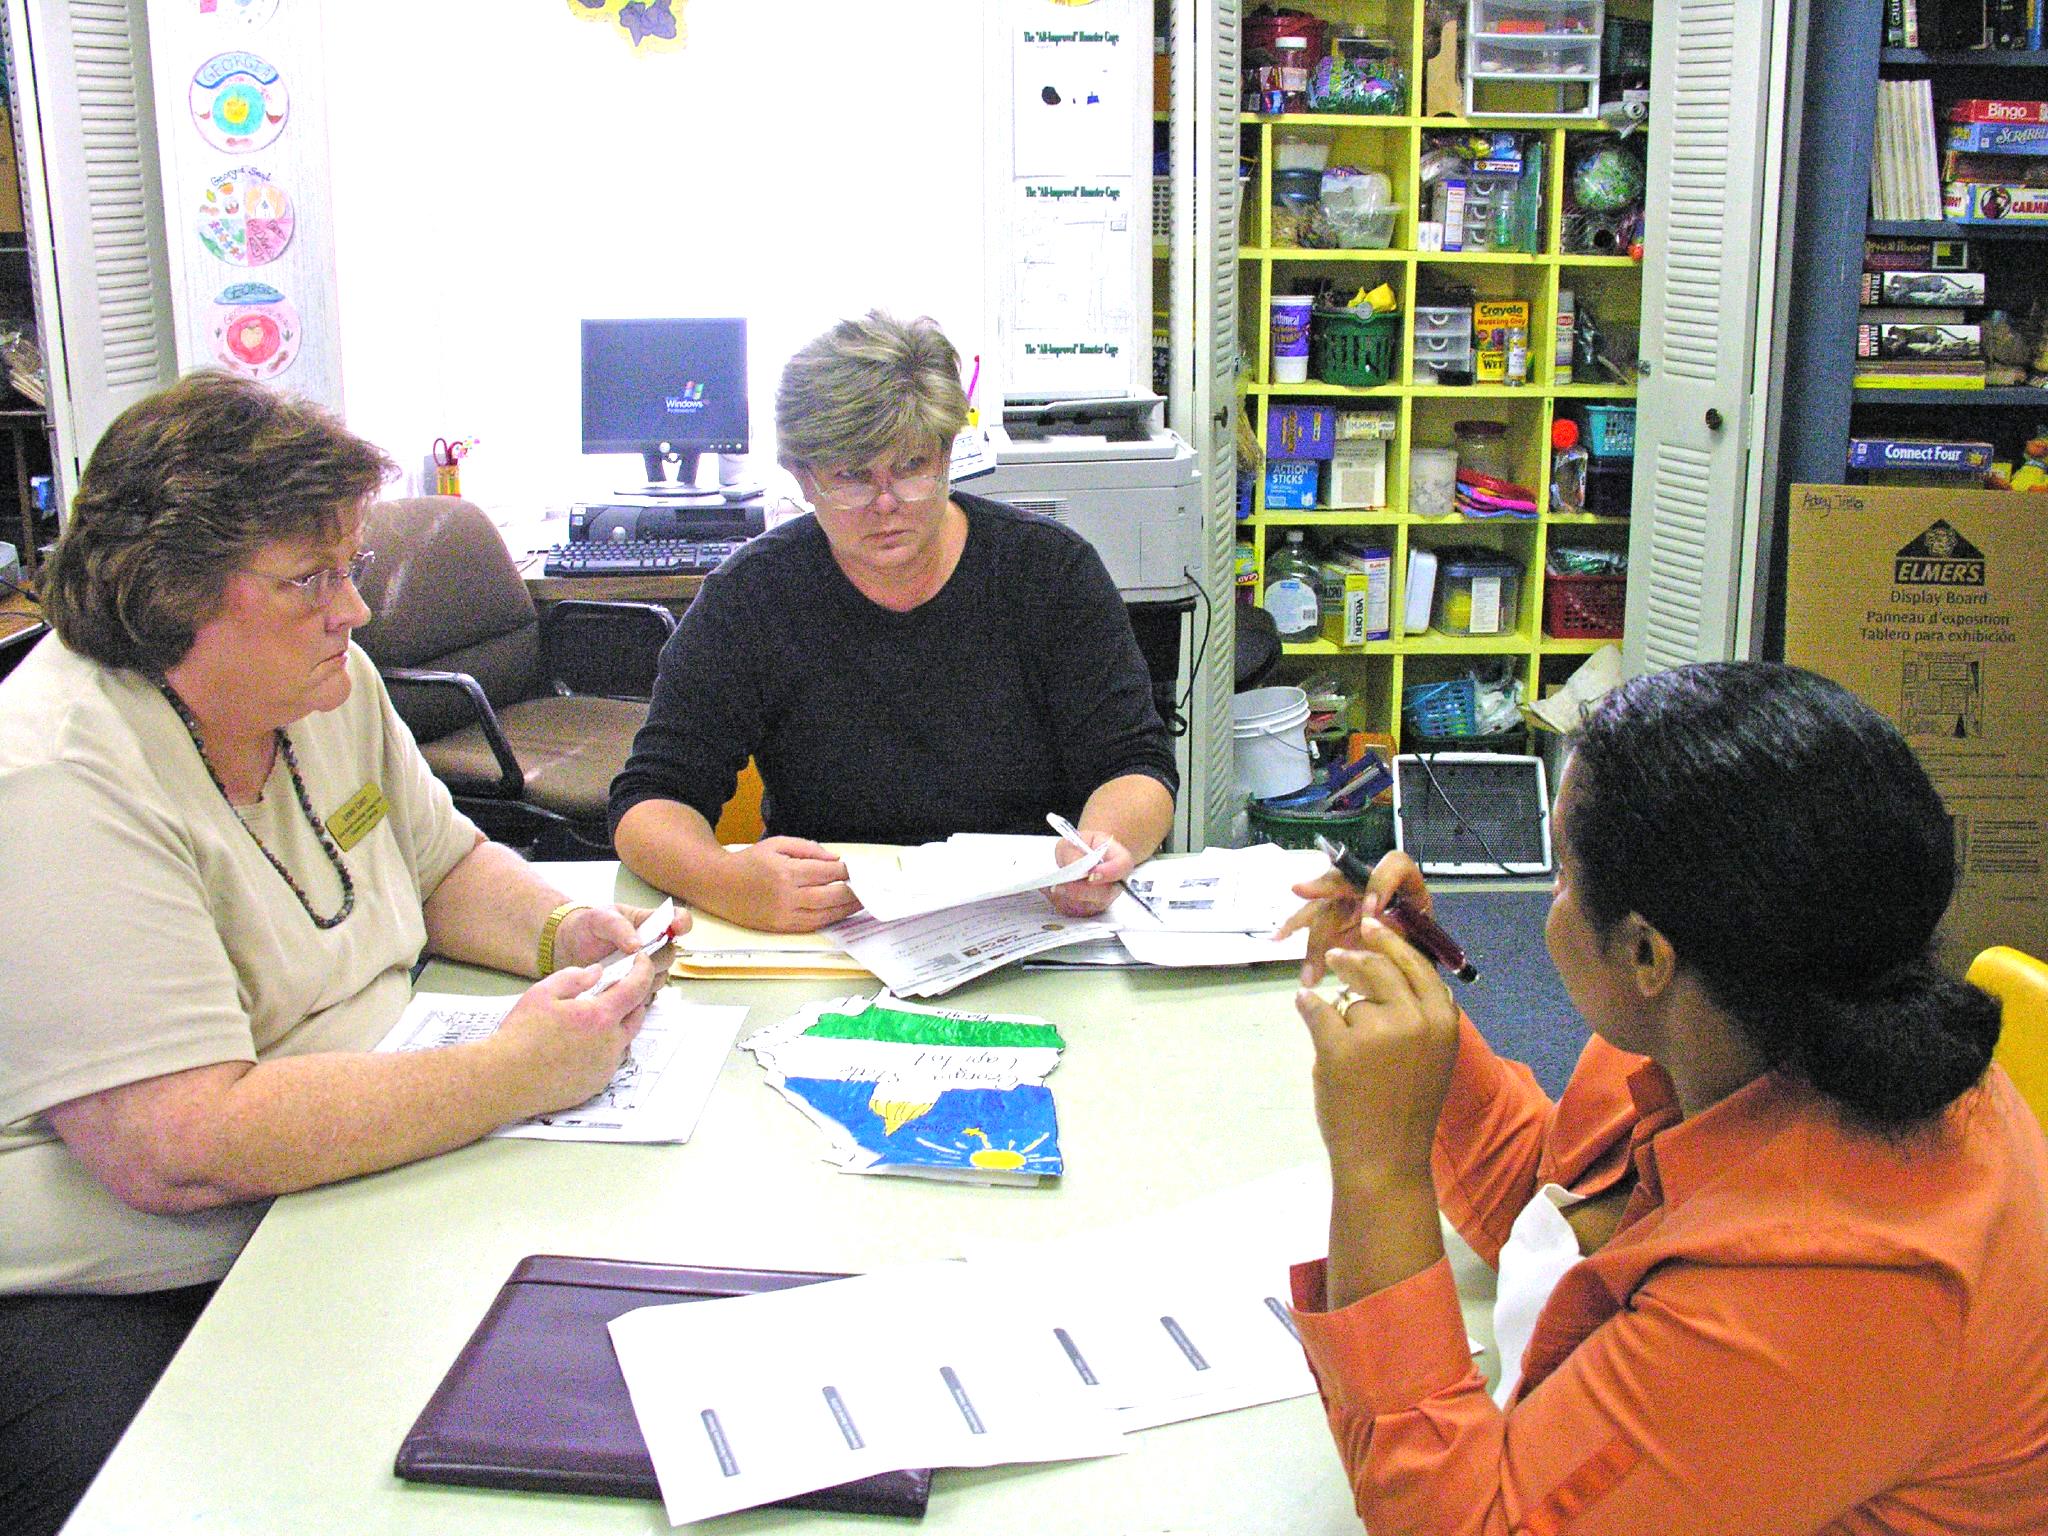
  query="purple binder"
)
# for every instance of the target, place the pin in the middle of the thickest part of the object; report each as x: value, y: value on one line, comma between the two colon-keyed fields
x: 536, y: 1401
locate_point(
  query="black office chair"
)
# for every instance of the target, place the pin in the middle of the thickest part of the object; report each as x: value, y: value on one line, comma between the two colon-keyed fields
x: 485, y: 682
x: 17, y: 645
x: 1157, y: 625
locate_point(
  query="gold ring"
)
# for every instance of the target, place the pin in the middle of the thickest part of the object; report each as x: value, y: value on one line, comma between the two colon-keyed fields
x: 1343, y: 1000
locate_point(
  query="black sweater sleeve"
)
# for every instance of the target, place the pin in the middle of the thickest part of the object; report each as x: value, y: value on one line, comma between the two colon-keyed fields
x: 705, y: 714
x: 1095, y: 680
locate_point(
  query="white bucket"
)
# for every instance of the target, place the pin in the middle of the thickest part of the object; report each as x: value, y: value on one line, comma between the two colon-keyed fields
x: 1270, y: 741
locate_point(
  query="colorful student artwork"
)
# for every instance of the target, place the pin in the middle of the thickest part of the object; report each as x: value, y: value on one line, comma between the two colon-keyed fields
x: 908, y: 1090
x: 241, y: 13
x: 255, y: 330
x: 649, y: 26
x: 245, y: 218
x: 239, y: 101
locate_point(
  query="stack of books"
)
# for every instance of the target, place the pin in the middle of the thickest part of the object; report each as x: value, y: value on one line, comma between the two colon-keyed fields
x: 1904, y: 181
x: 1917, y: 327
x: 1994, y: 167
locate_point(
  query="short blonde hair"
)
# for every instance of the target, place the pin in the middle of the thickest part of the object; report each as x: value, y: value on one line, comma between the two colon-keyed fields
x: 865, y: 387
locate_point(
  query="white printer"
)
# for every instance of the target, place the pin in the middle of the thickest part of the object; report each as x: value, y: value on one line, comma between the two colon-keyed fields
x: 1109, y: 472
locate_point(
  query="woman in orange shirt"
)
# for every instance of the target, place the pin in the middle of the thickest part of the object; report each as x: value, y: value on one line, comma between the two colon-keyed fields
x: 1777, y: 1259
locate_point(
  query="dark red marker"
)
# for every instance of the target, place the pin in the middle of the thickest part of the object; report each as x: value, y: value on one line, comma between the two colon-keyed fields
x: 1418, y: 928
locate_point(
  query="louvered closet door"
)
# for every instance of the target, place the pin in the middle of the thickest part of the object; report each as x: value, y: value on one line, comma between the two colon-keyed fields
x: 95, y: 211
x: 1206, y: 53
x: 1711, y: 67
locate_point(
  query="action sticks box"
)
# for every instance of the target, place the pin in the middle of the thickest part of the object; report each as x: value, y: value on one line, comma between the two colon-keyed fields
x: 1913, y: 290
x: 1919, y: 453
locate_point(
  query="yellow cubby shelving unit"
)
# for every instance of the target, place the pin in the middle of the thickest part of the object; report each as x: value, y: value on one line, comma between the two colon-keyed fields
x: 1376, y: 672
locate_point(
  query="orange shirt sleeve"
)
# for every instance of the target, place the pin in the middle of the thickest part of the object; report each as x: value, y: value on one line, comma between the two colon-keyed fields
x: 1499, y: 1137
x: 1766, y: 1400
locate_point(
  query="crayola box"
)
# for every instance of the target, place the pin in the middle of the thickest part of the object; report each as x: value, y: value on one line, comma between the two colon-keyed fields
x: 1492, y: 320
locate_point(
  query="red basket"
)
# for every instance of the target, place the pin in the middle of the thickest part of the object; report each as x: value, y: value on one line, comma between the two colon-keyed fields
x: 1585, y: 607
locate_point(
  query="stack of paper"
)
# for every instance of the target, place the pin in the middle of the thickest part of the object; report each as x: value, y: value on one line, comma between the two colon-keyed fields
x: 1023, y: 1353
x: 658, y: 1092
x: 714, y: 947
x: 941, y: 914
x: 907, y: 1090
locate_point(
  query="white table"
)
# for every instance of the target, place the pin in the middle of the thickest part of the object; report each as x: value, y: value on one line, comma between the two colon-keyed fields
x: 284, y: 1409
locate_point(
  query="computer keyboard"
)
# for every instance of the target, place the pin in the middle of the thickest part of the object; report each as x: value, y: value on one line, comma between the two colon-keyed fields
x: 639, y: 557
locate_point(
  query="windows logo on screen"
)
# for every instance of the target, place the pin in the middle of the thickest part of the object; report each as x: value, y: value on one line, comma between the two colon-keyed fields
x: 687, y: 401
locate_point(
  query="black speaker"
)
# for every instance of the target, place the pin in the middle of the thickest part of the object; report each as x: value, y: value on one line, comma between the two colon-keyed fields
x: 1472, y: 813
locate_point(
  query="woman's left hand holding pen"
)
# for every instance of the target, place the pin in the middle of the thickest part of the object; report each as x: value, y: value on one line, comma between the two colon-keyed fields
x: 1336, y: 908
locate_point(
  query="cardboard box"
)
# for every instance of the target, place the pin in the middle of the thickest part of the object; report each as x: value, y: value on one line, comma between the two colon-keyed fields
x: 1930, y: 605
x: 1363, y: 609
x: 1920, y: 453
x: 1914, y: 341
x: 10, y: 177
x: 1914, y: 290
x: 1993, y: 202
x: 1358, y: 475
x: 1492, y: 321
x: 1290, y: 484
x: 1296, y: 430
x: 1896, y: 253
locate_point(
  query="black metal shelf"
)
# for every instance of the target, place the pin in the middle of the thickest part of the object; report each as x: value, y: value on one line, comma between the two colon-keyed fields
x: 2019, y: 394
x: 1939, y: 229
x: 1966, y: 58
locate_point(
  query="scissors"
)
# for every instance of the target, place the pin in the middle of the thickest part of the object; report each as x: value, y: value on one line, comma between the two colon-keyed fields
x: 448, y: 451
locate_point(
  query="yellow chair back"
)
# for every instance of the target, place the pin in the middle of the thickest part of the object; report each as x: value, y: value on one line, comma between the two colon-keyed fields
x: 2020, y: 981
x: 740, y: 821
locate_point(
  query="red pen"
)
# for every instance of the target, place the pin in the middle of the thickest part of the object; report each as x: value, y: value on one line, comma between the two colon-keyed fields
x: 1418, y: 928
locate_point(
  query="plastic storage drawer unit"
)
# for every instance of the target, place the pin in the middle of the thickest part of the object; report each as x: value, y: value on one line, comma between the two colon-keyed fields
x: 1477, y: 593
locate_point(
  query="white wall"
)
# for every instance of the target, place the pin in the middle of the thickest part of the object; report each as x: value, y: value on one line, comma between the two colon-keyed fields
x: 502, y: 170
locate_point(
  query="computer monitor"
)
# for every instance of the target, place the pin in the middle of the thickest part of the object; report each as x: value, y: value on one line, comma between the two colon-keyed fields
x: 667, y: 390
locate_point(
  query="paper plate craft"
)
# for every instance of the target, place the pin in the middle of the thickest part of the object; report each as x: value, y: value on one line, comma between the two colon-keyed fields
x: 255, y: 330
x: 649, y: 26
x: 900, y: 1089
x: 245, y: 218
x: 239, y: 102
x: 237, y: 13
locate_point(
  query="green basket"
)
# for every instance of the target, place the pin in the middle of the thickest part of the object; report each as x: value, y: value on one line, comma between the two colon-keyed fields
x: 1367, y: 832
x: 1346, y: 347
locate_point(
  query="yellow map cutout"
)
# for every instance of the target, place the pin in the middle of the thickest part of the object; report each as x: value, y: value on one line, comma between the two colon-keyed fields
x: 896, y: 1113
x: 649, y: 26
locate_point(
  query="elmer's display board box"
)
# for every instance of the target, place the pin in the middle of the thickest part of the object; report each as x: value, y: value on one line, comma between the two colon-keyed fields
x: 1931, y: 607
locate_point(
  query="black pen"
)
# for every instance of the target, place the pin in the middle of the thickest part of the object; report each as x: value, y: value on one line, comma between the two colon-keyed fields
x: 1418, y: 928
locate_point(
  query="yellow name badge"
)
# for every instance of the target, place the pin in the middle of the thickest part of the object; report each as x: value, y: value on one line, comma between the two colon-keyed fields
x: 358, y: 816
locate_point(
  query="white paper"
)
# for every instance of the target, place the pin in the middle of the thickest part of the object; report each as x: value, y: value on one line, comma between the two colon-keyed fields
x: 657, y: 1094
x: 929, y: 955
x: 650, y: 936
x: 1224, y: 890
x: 752, y: 1398
x: 1076, y: 85
x: 965, y: 868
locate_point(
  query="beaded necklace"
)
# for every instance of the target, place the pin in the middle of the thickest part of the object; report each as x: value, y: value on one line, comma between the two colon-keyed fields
x: 291, y: 763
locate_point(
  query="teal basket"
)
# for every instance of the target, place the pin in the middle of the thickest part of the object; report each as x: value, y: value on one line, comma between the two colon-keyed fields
x: 1441, y: 709
x: 1610, y: 431
x: 1358, y: 350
